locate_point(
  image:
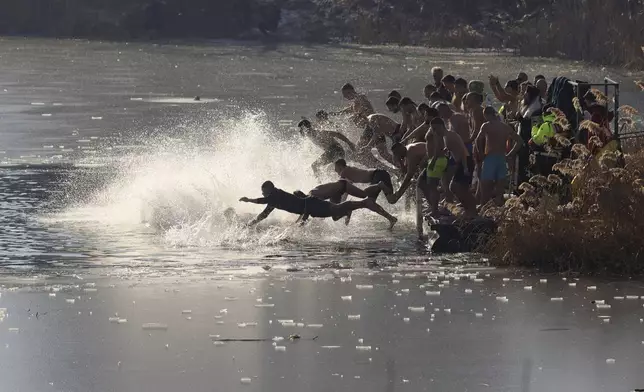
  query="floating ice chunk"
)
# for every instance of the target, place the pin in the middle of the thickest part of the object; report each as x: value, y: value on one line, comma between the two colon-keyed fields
x: 602, y: 306
x: 361, y: 341
x: 478, y: 280
x: 528, y: 288
x: 468, y: 291
x: 363, y: 348
x: 70, y: 300
x: 364, y: 286
x: 122, y: 321
x: 632, y: 297
x: 432, y: 293
x: 219, y: 323
x: 219, y: 344
x: 406, y: 319
x: 345, y: 279
x: 300, y: 325
x: 231, y: 298
x: 154, y: 327
x: 543, y: 280
x: 223, y: 311
x: 347, y: 298
x: 353, y: 317
x: 245, y: 381
x: 419, y: 309
x: 288, y: 324
x: 186, y: 311
x: 15, y: 330
x: 556, y: 299
x: 278, y: 339
x: 618, y: 298
x: 90, y: 290
x: 606, y: 320
x: 502, y: 299
x: 591, y: 288
x: 395, y: 281
x: 506, y: 279
x: 479, y: 315
x: 280, y: 348
x: 265, y: 305
x: 96, y: 118
x: 600, y: 302
x: 406, y: 291
x: 610, y: 361
x: 46, y: 114
x: 113, y: 319
x: 214, y: 337
x: 253, y: 324
x: 572, y: 284
x: 52, y: 294
x: 314, y: 326
x: 241, y: 325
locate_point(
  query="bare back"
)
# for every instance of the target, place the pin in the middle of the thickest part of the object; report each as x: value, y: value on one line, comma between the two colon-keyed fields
x: 416, y: 156
x: 382, y: 124
x: 361, y: 106
x: 456, y: 146
x: 496, y: 135
x: 356, y: 175
x: 458, y: 123
x: 476, y: 122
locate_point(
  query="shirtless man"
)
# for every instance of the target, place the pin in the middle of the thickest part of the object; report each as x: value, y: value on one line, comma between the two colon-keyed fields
x: 509, y: 96
x: 382, y: 127
x: 494, y: 136
x: 365, y: 176
x: 460, y: 89
x: 463, y: 165
x: 360, y: 106
x: 412, y: 158
x: 327, y: 141
x: 438, y: 163
x: 419, y: 133
x: 275, y: 198
x: 457, y: 123
x: 393, y: 104
x: 336, y: 192
x: 437, y: 74
x: 411, y: 118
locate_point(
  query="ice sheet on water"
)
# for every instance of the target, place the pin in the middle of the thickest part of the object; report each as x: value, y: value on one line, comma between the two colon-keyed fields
x: 280, y: 348
x: 364, y: 287
x: 346, y: 298
x: 264, y: 305
x: 556, y: 299
x: 363, y: 348
x: 353, y: 317
x: 419, y: 309
x: 154, y: 326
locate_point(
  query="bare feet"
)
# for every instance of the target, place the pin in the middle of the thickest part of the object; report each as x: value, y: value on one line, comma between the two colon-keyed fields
x: 392, y: 223
x: 347, y: 219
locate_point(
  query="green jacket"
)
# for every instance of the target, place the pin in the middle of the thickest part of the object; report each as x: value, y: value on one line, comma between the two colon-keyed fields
x: 543, y: 132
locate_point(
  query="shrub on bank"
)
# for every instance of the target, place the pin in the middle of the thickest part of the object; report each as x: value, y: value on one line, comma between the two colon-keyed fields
x: 599, y: 229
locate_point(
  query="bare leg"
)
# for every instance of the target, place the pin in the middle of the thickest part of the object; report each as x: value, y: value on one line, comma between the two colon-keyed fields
x: 487, y: 191
x: 350, y: 206
x: 466, y: 198
x: 434, y: 196
x: 446, y: 183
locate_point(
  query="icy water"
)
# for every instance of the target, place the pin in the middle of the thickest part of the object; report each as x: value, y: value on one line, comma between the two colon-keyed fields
x: 111, y: 173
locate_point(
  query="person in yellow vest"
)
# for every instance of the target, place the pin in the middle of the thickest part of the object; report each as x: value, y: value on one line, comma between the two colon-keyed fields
x: 542, y: 133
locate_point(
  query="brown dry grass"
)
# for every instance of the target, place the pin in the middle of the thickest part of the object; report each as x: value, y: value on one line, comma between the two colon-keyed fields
x: 601, y: 231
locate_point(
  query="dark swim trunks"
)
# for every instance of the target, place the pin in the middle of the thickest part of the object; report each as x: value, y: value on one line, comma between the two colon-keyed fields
x: 317, y: 208
x: 460, y: 176
x: 332, y: 154
x: 380, y: 175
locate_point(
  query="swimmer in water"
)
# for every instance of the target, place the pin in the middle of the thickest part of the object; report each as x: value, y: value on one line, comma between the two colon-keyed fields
x: 327, y: 141
x: 275, y: 198
x: 365, y: 176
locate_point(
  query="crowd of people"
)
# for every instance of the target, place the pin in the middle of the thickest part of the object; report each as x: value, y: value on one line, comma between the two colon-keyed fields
x: 455, y: 146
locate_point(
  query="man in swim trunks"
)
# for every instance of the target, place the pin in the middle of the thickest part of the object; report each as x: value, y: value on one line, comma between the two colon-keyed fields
x: 473, y: 105
x: 463, y: 164
x: 275, y: 198
x: 438, y: 163
x: 365, y: 176
x: 336, y: 192
x: 494, y: 136
x: 457, y: 123
x: 509, y: 96
x: 460, y: 89
x: 327, y: 141
x: 413, y: 158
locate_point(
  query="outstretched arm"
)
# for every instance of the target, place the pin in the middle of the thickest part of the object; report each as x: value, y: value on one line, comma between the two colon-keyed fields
x: 261, y: 200
x: 479, y: 140
x: 409, y: 176
x: 416, y: 133
x: 263, y: 215
x: 343, y: 138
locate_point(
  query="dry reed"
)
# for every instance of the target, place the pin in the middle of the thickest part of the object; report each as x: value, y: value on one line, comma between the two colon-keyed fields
x: 598, y: 230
